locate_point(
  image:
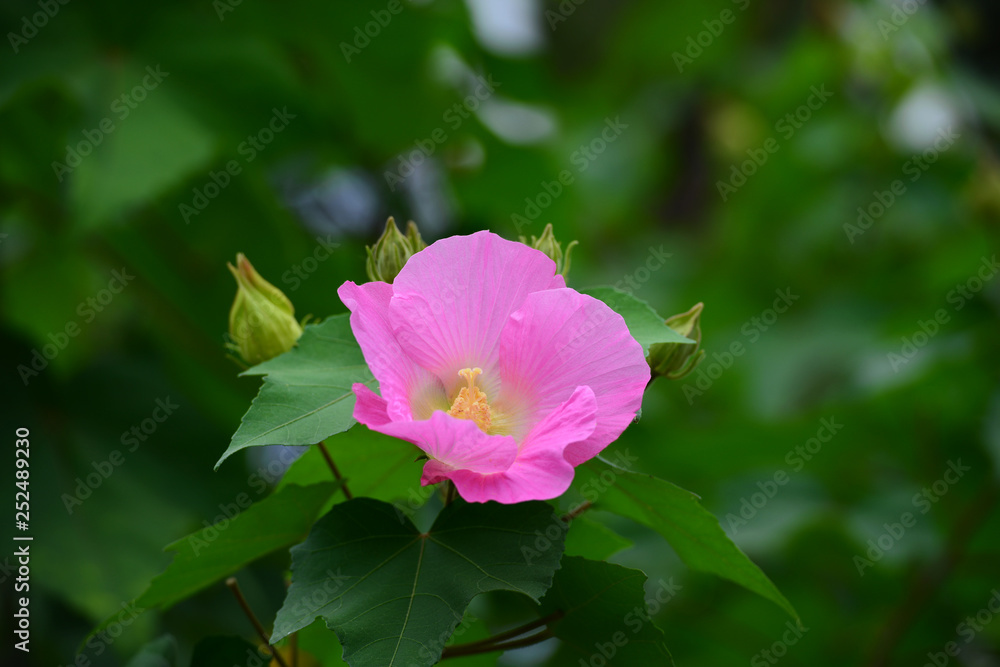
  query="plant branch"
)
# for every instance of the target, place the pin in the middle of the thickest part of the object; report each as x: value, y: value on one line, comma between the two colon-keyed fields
x: 234, y: 586
x: 495, y: 643
x: 468, y: 649
x: 334, y: 470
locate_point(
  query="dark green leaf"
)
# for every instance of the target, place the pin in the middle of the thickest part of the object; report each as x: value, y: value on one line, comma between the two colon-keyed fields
x: 161, y: 652
x: 676, y: 514
x: 393, y: 594
x: 643, y: 323
x: 306, y: 395
x: 606, y: 620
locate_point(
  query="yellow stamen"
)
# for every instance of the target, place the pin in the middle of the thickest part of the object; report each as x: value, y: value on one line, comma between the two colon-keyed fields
x: 471, y: 402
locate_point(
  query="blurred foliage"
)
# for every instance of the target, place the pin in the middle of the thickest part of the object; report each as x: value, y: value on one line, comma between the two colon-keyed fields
x: 251, y: 127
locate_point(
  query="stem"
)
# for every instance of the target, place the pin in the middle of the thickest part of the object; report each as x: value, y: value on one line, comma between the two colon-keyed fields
x: 294, y: 643
x: 495, y: 643
x: 234, y: 586
x: 334, y: 470
x: 450, y: 493
x: 584, y: 506
x: 469, y: 649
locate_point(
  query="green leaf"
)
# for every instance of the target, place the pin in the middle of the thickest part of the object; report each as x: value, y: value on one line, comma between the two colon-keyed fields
x: 374, y: 466
x: 214, y: 552
x: 306, y: 396
x: 393, y: 594
x: 692, y: 531
x: 643, y: 323
x: 606, y: 620
x: 592, y: 539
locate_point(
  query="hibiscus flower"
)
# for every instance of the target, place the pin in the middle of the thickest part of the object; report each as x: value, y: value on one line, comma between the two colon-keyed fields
x: 487, y: 362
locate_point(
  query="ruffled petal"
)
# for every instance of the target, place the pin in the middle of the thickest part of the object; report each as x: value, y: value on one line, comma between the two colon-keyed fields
x: 411, y: 391
x: 454, y: 443
x: 541, y: 470
x: 561, y: 339
x: 452, y: 300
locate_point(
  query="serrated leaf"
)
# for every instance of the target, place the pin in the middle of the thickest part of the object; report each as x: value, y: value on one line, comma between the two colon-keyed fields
x: 643, y: 323
x: 605, y: 620
x: 692, y: 531
x: 306, y: 396
x: 393, y: 594
x: 206, y: 556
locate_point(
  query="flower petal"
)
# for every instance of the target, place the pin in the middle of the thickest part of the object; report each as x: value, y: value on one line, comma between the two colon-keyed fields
x: 453, y: 443
x: 452, y: 300
x: 541, y: 470
x: 409, y: 389
x: 561, y: 339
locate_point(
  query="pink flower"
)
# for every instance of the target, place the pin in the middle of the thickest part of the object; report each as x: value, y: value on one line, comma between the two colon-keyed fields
x: 486, y: 361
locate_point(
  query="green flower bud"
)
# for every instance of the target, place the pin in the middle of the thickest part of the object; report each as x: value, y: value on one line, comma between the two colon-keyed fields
x: 676, y: 360
x: 262, y: 321
x: 387, y: 257
x: 553, y: 249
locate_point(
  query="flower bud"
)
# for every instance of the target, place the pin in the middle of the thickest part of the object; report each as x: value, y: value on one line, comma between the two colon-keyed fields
x: 553, y: 249
x: 676, y: 360
x: 262, y: 321
x: 387, y: 257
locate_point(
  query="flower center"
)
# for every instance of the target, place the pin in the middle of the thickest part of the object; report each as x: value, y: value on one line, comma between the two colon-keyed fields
x: 471, y: 402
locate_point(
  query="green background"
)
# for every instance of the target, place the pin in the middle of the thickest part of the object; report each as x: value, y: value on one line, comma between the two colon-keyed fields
x: 676, y: 127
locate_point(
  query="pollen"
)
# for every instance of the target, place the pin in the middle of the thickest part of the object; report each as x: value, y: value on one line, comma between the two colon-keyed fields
x: 471, y: 402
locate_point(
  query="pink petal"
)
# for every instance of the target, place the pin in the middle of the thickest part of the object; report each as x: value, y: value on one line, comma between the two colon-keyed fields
x: 541, y: 471
x: 452, y: 300
x: 409, y: 389
x: 561, y: 339
x: 370, y: 409
x: 453, y: 443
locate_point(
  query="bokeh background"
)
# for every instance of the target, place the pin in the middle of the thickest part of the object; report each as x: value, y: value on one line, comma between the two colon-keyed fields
x: 158, y: 140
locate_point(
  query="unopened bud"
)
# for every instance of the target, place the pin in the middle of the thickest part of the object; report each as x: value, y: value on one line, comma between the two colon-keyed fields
x: 676, y: 360
x: 262, y: 321
x: 553, y: 249
x: 387, y: 257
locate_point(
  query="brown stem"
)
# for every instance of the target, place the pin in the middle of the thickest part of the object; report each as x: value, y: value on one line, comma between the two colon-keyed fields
x: 294, y: 643
x: 234, y: 586
x: 450, y: 493
x: 583, y: 507
x: 334, y: 470
x: 469, y: 649
x: 519, y: 630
